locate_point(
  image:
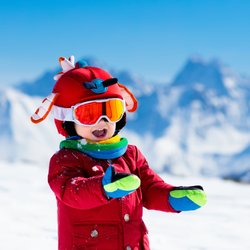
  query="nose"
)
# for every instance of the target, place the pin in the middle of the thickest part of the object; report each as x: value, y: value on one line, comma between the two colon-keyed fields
x: 104, y: 119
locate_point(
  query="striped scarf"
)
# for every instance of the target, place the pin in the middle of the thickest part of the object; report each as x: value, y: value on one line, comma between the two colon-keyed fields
x: 107, y: 149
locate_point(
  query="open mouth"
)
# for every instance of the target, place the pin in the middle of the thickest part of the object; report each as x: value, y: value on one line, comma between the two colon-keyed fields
x: 100, y: 133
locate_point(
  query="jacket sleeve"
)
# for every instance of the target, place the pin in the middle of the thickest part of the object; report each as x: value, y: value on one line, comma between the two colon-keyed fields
x: 66, y: 179
x: 155, y: 191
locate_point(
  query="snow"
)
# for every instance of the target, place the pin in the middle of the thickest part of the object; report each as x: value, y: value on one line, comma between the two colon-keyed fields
x: 200, y: 126
x: 28, y: 214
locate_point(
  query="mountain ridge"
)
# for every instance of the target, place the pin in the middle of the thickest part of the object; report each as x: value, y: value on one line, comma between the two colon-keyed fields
x: 196, y: 125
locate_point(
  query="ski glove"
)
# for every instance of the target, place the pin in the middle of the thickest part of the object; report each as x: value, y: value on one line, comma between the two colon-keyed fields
x: 117, y: 185
x: 187, y: 198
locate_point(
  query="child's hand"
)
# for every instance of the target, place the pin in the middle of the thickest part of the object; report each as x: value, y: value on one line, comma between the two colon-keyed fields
x: 187, y: 198
x: 117, y: 185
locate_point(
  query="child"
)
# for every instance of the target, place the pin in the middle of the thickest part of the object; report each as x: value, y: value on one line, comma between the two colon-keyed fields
x: 102, y: 183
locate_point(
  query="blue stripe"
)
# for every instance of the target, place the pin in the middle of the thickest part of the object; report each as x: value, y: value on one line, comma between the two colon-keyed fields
x: 182, y: 204
x: 107, y: 154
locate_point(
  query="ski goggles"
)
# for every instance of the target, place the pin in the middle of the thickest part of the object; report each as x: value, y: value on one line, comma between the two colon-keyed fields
x: 91, y: 112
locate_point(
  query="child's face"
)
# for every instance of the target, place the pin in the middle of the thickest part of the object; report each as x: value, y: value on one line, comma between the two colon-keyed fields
x: 103, y: 130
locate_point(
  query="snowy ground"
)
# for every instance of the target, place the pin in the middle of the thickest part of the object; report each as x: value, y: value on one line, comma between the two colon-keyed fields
x: 28, y: 214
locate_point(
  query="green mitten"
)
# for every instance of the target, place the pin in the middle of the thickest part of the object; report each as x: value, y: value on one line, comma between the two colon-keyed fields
x: 117, y: 185
x: 187, y: 198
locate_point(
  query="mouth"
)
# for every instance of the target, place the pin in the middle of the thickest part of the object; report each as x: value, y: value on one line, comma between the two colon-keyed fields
x: 100, y: 133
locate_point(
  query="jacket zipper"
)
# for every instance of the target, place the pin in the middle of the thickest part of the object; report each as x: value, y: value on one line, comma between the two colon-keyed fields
x: 109, y: 161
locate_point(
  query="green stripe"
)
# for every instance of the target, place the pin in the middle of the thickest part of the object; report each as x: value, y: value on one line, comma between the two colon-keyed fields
x: 69, y: 144
x: 128, y: 183
x: 99, y: 151
x: 196, y: 196
x: 75, y: 144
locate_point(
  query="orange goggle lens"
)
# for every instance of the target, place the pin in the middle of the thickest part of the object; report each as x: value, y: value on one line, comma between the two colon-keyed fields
x: 89, y: 113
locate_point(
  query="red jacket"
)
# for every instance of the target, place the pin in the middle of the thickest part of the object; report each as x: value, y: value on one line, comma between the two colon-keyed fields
x: 86, y: 218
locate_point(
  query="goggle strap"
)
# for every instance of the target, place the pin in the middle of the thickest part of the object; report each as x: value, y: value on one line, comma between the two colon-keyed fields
x: 63, y: 114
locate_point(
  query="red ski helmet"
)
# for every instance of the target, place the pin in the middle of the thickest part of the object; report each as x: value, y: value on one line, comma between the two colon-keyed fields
x: 79, y: 83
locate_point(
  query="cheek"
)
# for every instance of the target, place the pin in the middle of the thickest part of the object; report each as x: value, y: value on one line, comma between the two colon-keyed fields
x: 82, y: 130
x: 112, y: 128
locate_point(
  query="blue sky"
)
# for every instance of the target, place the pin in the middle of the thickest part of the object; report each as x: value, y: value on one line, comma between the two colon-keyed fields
x: 152, y: 38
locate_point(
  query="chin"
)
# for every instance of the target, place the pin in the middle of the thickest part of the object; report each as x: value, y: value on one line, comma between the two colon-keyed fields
x: 97, y: 139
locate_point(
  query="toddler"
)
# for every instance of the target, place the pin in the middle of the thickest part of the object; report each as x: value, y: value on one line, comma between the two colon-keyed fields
x: 101, y: 182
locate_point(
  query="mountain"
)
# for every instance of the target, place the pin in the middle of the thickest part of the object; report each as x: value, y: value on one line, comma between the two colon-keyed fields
x: 20, y: 139
x: 197, y: 71
x: 208, y: 120
x: 198, y: 124
x: 43, y: 85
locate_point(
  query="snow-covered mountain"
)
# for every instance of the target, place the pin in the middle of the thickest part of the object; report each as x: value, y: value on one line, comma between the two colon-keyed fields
x: 197, y: 124
x: 208, y: 120
x: 43, y: 85
x: 19, y: 138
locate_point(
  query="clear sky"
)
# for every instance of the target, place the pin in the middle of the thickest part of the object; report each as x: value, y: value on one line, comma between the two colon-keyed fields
x: 152, y: 38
